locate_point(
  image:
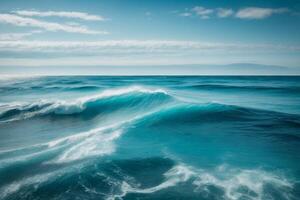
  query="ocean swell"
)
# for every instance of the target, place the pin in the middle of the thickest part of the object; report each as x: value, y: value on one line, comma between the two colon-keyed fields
x: 108, y: 100
x: 189, y: 113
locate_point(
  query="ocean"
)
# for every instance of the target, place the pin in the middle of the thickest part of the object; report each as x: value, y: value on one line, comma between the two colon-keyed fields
x: 151, y: 137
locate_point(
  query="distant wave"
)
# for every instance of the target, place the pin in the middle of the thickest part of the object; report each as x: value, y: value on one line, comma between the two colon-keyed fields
x: 254, y: 121
x: 51, y: 88
x: 106, y: 100
x: 287, y: 89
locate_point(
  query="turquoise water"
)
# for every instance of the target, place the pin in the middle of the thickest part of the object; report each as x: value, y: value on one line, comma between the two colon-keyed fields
x: 150, y: 138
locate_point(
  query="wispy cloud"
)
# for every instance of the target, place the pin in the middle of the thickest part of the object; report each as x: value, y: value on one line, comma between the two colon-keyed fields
x: 136, y: 52
x: 49, y: 26
x: 78, y: 15
x: 258, y: 13
x: 203, y: 12
x: 17, y: 36
x: 129, y: 46
x: 244, y: 13
x: 185, y: 14
x: 224, y: 12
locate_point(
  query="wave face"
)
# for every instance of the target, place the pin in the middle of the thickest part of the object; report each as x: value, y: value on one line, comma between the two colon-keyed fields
x: 230, y: 138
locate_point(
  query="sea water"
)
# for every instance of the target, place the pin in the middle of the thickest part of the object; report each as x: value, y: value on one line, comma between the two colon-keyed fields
x: 154, y: 137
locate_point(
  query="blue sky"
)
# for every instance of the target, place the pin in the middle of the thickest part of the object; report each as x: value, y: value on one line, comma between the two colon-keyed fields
x: 149, y: 32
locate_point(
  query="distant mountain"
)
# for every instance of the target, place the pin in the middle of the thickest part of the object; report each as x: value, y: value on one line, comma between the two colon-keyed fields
x: 248, y: 68
x: 253, y: 69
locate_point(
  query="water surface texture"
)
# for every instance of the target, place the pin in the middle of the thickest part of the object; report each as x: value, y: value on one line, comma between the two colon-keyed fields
x: 235, y: 138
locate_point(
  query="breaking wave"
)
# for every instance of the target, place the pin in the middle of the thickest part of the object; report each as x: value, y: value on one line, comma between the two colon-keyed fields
x: 107, y: 100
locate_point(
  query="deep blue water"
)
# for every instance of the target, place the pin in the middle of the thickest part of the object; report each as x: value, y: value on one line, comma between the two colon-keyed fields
x: 235, y: 138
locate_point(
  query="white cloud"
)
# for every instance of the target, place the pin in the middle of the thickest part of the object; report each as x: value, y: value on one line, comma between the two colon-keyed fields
x: 73, y: 23
x: 149, y: 45
x: 244, y: 13
x: 17, y: 36
x: 78, y: 15
x: 205, y: 17
x: 137, y: 52
x: 258, y: 13
x: 203, y: 12
x: 49, y: 26
x: 224, y: 12
x: 133, y: 46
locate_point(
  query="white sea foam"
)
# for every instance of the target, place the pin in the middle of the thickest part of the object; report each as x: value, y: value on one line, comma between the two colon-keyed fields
x: 228, y: 179
x: 33, y: 180
x: 102, y: 144
x: 235, y: 183
x: 174, y: 176
x: 98, y: 141
x: 177, y: 174
x: 11, y: 188
x: 231, y: 181
x: 121, y: 91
